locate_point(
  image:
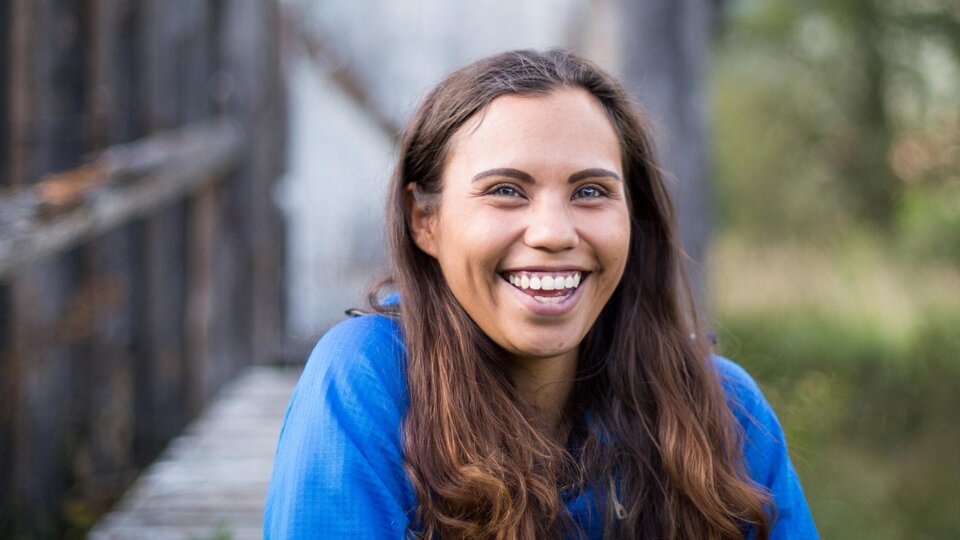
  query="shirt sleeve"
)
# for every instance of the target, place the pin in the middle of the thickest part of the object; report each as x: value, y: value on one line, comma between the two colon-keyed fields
x: 338, y: 470
x: 765, y: 454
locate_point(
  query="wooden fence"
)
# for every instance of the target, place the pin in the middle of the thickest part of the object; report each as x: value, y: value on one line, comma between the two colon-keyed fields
x: 139, y: 245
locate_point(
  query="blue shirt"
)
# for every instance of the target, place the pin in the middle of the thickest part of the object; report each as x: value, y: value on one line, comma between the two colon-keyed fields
x: 339, y: 471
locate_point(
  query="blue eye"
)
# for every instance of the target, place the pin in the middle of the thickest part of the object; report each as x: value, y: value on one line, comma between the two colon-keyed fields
x: 589, y: 192
x: 504, y: 190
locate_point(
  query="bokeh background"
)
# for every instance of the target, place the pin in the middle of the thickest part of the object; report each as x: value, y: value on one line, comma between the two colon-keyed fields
x: 814, y: 153
x: 834, y: 265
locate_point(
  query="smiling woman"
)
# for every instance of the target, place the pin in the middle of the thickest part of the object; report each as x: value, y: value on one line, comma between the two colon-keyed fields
x: 542, y: 373
x: 531, y: 189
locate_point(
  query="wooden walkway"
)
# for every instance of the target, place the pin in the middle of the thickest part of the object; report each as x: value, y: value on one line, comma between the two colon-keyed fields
x: 211, y: 481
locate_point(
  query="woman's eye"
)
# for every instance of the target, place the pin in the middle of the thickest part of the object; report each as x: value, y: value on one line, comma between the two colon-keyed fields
x: 505, y: 191
x: 589, y: 192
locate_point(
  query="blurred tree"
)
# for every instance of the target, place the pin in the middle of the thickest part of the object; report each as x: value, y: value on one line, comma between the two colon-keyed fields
x: 831, y: 112
x: 665, y: 47
x: 865, y: 141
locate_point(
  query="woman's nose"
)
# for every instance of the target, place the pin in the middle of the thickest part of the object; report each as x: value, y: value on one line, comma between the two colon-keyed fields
x: 550, y: 226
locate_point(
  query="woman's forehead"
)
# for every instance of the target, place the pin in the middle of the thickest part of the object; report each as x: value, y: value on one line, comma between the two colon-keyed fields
x: 564, y: 125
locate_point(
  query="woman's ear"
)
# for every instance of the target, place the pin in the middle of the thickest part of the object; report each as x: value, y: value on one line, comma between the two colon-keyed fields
x: 423, y: 220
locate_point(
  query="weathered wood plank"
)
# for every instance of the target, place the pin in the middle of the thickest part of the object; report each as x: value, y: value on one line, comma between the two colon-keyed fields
x: 197, y: 55
x: 47, y: 135
x: 162, y: 251
x: 19, y: 105
x: 8, y: 386
x: 194, y: 59
x: 214, y: 477
x: 268, y: 164
x: 251, y: 56
x: 104, y: 461
x: 124, y: 182
x: 201, y: 245
x: 15, y: 99
x: 5, y: 31
x: 44, y: 366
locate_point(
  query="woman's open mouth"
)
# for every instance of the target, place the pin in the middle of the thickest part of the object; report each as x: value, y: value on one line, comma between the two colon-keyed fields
x: 545, y: 287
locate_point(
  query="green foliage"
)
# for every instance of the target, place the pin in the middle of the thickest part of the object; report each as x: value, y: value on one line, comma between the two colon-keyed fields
x: 835, y: 114
x: 929, y: 222
x: 873, y: 424
x: 836, y: 128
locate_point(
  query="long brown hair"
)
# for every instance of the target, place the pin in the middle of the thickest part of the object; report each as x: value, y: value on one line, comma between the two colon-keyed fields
x: 660, y: 433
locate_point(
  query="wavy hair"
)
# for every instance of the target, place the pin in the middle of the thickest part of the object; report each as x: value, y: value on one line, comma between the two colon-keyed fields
x: 661, y: 444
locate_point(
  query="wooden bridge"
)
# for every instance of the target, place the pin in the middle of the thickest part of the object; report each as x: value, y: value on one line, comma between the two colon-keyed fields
x: 211, y: 481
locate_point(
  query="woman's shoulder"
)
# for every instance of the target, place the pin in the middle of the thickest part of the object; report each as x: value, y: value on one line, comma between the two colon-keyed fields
x: 364, y: 351
x: 765, y: 451
x: 738, y: 384
x: 746, y: 401
x: 354, y: 376
x: 362, y: 333
x: 339, y: 453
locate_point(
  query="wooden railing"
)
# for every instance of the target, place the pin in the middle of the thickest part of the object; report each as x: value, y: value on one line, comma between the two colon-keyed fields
x: 121, y: 183
x: 140, y: 247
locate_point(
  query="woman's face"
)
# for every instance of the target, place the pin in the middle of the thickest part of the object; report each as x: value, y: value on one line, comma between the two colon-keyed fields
x: 532, y: 229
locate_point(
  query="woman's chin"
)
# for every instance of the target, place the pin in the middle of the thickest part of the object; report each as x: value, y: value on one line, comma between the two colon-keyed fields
x: 535, y: 351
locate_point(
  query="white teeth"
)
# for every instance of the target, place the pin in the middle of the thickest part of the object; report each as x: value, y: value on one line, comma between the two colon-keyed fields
x: 545, y: 283
x: 550, y: 299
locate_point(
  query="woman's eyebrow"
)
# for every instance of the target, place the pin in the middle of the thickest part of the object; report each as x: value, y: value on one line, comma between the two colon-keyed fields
x: 512, y: 173
x: 592, y: 173
x: 524, y: 177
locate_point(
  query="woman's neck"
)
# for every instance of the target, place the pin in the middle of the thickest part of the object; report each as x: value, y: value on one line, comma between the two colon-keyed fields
x: 546, y: 384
